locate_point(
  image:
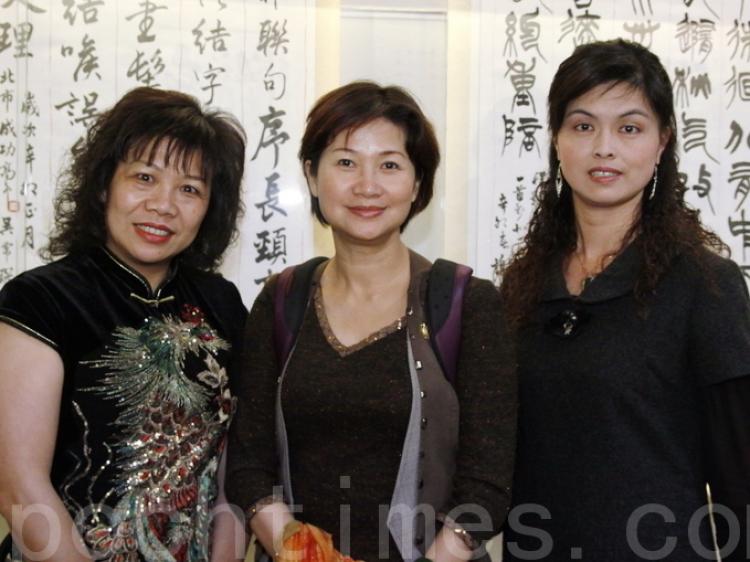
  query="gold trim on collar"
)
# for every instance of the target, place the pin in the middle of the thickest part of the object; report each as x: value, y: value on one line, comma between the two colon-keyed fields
x: 152, y: 302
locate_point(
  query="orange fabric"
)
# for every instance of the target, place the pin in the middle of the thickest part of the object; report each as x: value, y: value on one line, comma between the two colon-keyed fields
x: 308, y: 543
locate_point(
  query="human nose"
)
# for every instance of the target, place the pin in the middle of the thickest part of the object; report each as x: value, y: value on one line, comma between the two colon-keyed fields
x: 367, y: 184
x: 161, y: 200
x: 603, y: 145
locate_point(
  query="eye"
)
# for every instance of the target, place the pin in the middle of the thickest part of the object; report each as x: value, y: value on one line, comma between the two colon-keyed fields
x: 345, y: 162
x: 631, y: 129
x: 191, y: 189
x: 583, y: 127
x: 391, y: 165
x: 144, y: 177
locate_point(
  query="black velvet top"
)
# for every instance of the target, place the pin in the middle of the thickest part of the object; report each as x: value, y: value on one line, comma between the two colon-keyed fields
x: 624, y: 417
x: 146, y: 400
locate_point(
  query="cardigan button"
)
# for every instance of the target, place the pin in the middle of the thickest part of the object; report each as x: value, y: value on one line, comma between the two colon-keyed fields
x: 424, y: 423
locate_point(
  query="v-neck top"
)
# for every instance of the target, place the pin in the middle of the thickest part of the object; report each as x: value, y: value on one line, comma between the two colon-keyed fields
x: 346, y: 418
x: 145, y: 402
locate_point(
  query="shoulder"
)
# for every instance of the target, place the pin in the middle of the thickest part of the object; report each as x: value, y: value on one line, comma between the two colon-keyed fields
x: 709, y: 271
x: 213, y: 281
x: 68, y: 272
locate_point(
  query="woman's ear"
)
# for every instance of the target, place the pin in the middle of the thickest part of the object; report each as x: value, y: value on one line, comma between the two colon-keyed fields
x: 415, y: 191
x: 664, y: 138
x: 312, y: 184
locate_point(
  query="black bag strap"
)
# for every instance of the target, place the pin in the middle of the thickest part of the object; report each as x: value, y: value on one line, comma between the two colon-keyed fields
x: 446, y: 287
x: 5, y: 548
x: 290, y: 302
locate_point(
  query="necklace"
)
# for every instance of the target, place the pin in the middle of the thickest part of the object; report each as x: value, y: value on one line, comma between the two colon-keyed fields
x: 588, y: 275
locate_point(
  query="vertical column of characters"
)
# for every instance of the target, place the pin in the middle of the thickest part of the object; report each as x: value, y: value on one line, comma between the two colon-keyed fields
x: 277, y: 92
x: 734, y: 131
x: 213, y: 43
x: 17, y: 235
x: 523, y: 48
x: 10, y: 206
x: 148, y: 44
x: 691, y: 47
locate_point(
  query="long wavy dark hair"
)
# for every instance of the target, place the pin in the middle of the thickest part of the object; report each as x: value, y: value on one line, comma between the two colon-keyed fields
x: 665, y: 225
x: 135, y: 126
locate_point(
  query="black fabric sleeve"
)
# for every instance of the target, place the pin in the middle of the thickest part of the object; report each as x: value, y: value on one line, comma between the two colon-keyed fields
x: 487, y: 392
x: 720, y: 325
x: 252, y: 459
x: 727, y: 453
x: 27, y: 303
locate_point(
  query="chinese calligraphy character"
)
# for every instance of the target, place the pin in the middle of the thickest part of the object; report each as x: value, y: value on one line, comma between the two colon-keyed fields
x: 522, y: 80
x: 271, y: 249
x: 216, y: 37
x: 146, y: 70
x: 271, y: 124
x: 22, y: 34
x: 694, y: 134
x: 29, y: 5
x: 271, y: 203
x: 89, y: 9
x: 272, y: 37
x: 147, y: 20
x: 212, y: 75
x: 275, y: 82
x: 642, y: 32
x: 88, y: 60
x: 739, y: 35
x: 738, y: 84
x: 741, y: 175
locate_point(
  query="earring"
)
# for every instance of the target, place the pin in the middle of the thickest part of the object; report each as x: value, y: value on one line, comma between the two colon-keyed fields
x: 558, y: 181
x: 653, y: 185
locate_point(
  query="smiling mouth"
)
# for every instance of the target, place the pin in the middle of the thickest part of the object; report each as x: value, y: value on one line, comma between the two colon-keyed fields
x: 367, y: 211
x: 154, y: 230
x: 603, y: 173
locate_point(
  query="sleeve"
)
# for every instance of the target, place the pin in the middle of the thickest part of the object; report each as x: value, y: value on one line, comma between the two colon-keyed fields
x: 27, y: 303
x: 252, y: 460
x: 719, y: 341
x: 727, y: 454
x: 487, y: 392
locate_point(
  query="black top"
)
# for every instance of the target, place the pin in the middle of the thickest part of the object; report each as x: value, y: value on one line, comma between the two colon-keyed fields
x: 612, y: 420
x: 145, y: 403
x: 346, y: 413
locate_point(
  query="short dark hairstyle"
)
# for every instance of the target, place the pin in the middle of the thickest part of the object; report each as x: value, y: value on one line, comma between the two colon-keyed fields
x: 358, y: 103
x: 137, y: 124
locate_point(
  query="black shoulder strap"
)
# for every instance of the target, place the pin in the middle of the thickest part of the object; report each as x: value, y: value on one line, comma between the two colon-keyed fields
x: 290, y: 301
x: 446, y: 286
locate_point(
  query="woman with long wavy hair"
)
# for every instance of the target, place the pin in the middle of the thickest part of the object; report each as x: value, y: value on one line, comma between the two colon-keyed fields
x: 633, y: 335
x: 114, y: 358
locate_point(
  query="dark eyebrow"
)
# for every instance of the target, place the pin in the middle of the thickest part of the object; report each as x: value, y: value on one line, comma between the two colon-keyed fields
x: 383, y: 153
x: 155, y: 165
x: 625, y: 114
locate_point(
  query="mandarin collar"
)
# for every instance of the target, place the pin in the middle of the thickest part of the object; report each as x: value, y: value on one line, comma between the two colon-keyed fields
x: 616, y: 280
x: 135, y: 282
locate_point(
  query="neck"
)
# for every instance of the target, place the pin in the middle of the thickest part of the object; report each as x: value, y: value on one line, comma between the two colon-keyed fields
x: 367, y: 269
x: 602, y: 232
